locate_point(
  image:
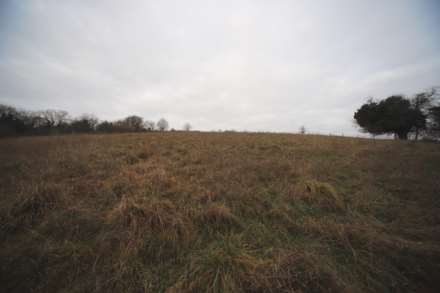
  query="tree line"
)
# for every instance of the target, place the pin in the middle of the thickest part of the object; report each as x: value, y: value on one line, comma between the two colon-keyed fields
x: 20, y: 122
x: 405, y: 117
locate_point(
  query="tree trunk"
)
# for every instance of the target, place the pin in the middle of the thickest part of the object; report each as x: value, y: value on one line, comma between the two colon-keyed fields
x: 417, y: 134
x: 402, y: 135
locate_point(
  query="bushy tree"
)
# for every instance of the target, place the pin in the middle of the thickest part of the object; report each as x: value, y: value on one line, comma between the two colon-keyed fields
x: 394, y: 115
x: 11, y: 121
x: 134, y: 123
x: 85, y: 123
x: 162, y: 124
x: 105, y: 126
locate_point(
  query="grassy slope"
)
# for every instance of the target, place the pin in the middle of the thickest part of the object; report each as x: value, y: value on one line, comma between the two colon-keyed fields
x: 194, y: 212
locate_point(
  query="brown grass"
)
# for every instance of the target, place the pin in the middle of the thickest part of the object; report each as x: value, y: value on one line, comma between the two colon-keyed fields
x: 217, y: 216
x: 218, y: 212
x: 150, y: 226
x: 320, y: 193
x: 225, y: 266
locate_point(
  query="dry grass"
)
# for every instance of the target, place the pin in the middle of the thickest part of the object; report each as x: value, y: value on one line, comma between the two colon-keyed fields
x: 318, y: 193
x: 218, y: 216
x: 148, y: 216
x: 227, y: 265
x: 218, y: 212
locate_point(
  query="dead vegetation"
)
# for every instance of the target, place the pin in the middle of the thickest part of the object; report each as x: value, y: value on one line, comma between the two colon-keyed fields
x: 218, y: 212
x: 218, y: 216
x: 318, y: 193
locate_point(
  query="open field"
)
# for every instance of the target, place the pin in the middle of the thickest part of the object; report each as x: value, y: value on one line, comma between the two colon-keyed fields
x: 218, y: 212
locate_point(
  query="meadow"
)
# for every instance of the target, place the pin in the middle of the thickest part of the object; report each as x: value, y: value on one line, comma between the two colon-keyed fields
x: 218, y: 212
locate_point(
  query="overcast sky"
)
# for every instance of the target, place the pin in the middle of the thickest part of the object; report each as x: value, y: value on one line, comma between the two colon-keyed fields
x: 245, y: 65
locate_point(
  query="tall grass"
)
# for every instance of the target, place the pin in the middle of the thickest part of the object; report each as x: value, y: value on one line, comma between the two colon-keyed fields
x: 218, y: 212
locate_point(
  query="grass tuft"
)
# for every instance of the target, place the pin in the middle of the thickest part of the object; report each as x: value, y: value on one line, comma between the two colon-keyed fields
x: 302, y: 271
x: 150, y: 227
x: 218, y: 216
x: 321, y: 194
x: 33, y: 204
x: 226, y: 266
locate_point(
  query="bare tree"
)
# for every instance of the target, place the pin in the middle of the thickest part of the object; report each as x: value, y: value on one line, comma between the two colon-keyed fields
x: 54, y: 118
x: 422, y: 102
x: 187, y: 127
x: 149, y: 125
x: 162, y: 124
x: 302, y: 130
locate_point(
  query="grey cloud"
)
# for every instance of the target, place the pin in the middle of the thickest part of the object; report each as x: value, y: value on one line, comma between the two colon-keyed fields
x: 247, y: 65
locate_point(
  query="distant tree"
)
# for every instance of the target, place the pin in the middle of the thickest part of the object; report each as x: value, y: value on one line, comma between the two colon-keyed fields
x: 393, y: 115
x: 368, y: 117
x: 433, y: 129
x: 36, y: 123
x: 105, y: 126
x: 15, y: 122
x: 162, y: 124
x: 47, y: 121
x: 134, y: 123
x: 85, y: 123
x: 302, y: 130
x: 11, y: 121
x: 434, y: 114
x: 149, y: 125
x: 187, y: 127
x: 54, y: 118
x: 422, y: 102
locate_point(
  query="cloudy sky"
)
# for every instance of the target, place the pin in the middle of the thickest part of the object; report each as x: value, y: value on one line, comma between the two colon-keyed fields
x: 245, y: 65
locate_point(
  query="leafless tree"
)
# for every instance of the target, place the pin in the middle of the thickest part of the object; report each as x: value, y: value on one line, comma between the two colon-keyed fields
x: 149, y: 125
x: 302, y: 130
x: 54, y: 118
x: 422, y: 102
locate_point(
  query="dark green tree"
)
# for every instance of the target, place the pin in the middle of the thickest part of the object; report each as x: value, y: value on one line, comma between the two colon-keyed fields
x: 105, y: 126
x: 12, y: 122
x: 85, y: 123
x: 394, y: 115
